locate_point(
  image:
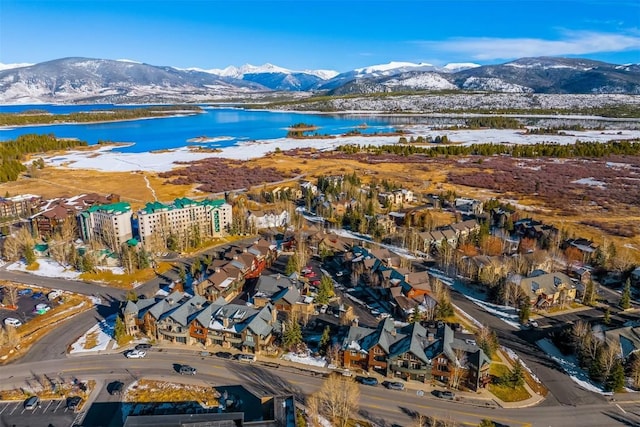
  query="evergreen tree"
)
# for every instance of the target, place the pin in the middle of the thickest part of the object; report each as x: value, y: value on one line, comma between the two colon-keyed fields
x: 589, y: 293
x: 625, y: 300
x: 607, y: 316
x: 524, y: 313
x: 292, y: 265
x: 325, y: 291
x: 325, y: 340
x: 29, y: 255
x: 292, y: 335
x: 487, y: 423
x: 119, y: 331
x: 615, y: 381
x: 517, y: 375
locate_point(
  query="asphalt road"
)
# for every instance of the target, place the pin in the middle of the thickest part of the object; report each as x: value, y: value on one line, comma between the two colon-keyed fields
x: 385, y: 407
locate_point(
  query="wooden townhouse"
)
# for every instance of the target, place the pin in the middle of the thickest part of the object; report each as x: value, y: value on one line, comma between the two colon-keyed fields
x: 413, y: 352
x: 182, y: 319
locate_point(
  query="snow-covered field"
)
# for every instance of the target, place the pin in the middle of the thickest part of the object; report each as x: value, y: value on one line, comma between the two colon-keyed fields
x: 105, y: 159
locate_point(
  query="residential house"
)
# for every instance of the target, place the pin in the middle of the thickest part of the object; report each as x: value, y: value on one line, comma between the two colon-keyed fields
x: 626, y: 339
x: 585, y: 246
x: 546, y: 290
x: 260, y: 219
x: 284, y: 294
x: 468, y: 206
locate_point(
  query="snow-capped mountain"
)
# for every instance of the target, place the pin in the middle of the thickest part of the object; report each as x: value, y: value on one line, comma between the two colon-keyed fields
x: 102, y: 80
x: 552, y: 75
x: 75, y: 80
x: 12, y: 66
x: 275, y: 77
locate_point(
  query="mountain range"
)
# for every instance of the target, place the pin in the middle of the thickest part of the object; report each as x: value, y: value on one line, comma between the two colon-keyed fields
x: 85, y: 80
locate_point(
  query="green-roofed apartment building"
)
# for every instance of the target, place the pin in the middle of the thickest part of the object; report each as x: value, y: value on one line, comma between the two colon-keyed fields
x: 109, y: 224
x: 209, y: 218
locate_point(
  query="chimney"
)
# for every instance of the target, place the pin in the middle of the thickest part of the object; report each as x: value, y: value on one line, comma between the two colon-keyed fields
x: 225, y: 322
x: 431, y: 337
x: 217, y: 270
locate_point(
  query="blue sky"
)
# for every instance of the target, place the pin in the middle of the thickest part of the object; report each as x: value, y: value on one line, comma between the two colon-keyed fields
x: 308, y: 34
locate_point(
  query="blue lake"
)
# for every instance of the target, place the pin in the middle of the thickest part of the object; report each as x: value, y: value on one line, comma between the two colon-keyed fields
x: 173, y: 132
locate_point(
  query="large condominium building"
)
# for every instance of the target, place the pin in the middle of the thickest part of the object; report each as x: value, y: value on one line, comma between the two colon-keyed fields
x: 110, y: 224
x: 210, y: 218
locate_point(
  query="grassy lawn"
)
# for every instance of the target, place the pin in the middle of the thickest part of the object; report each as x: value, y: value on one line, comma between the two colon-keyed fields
x: 505, y: 393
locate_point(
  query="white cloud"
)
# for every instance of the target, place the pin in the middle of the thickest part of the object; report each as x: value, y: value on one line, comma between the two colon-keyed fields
x: 572, y: 43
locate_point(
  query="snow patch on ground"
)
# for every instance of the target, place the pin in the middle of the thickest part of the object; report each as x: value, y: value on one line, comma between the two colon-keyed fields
x: 47, y: 268
x: 103, y: 332
x: 592, y: 182
x: 570, y: 365
x: 305, y: 360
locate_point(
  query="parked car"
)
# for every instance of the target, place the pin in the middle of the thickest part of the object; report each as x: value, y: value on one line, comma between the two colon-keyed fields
x: 187, y: 370
x: 367, y: 380
x: 393, y: 385
x: 135, y: 354
x: 12, y: 321
x: 32, y: 403
x: 74, y: 402
x: 37, y: 295
x: 41, y: 309
x: 323, y: 309
x: 143, y: 346
x: 224, y: 355
x: 445, y: 394
x: 245, y: 357
x: 25, y: 292
x: 57, y: 293
x: 115, y: 388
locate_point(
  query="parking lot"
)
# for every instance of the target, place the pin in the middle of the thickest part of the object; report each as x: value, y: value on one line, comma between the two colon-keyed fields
x: 50, y: 413
x: 25, y: 304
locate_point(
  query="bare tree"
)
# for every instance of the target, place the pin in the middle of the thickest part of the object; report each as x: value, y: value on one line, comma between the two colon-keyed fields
x: 10, y: 296
x: 313, y: 411
x: 338, y: 399
x: 609, y: 356
x: 580, y: 332
x: 11, y: 249
x: 635, y: 372
x: 458, y: 368
x: 420, y: 421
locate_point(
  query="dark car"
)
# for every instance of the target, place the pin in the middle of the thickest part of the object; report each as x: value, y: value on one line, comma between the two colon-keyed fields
x: 393, y: 385
x: 445, y: 394
x: 74, y: 402
x: 115, y: 388
x: 367, y: 380
x: 143, y: 346
x: 187, y: 370
x: 37, y: 295
x: 224, y: 355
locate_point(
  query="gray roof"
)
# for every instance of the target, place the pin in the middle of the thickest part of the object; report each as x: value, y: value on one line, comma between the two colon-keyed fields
x: 185, y: 313
x: 272, y: 284
x: 627, y: 338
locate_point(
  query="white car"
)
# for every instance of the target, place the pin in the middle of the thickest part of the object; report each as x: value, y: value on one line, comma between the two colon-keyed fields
x: 136, y: 354
x: 11, y: 321
x: 41, y: 308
